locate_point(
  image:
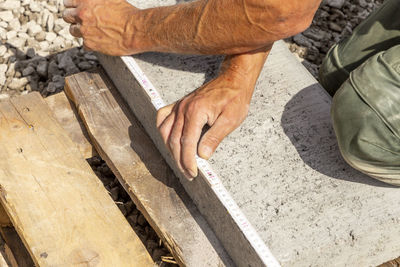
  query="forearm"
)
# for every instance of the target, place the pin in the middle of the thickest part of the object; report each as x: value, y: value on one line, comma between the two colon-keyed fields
x: 221, y: 26
x: 245, y: 68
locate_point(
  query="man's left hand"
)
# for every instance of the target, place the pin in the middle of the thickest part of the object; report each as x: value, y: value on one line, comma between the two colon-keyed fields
x: 222, y: 104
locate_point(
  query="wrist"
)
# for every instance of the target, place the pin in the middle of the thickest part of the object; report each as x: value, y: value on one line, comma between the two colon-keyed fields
x: 140, y: 34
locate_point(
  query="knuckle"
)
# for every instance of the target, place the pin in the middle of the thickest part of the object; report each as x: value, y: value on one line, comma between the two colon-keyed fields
x: 212, y: 140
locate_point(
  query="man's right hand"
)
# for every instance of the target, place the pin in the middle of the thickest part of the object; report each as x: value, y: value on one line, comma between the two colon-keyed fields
x: 106, y: 26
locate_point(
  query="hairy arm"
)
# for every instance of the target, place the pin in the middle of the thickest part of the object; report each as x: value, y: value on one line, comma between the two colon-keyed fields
x: 201, y: 27
x: 223, y: 26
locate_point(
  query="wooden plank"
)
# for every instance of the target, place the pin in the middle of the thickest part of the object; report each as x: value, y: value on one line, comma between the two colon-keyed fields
x: 67, y: 116
x: 15, y: 251
x: 4, y: 219
x: 124, y: 145
x: 58, y: 206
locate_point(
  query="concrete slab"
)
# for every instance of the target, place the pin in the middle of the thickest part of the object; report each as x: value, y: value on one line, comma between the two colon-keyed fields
x: 283, y: 167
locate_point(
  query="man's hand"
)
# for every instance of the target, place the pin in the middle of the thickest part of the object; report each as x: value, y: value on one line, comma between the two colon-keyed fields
x: 221, y: 104
x: 107, y: 26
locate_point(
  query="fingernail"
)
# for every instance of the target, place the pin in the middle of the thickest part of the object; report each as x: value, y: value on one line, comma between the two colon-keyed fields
x: 192, y: 172
x: 206, y: 152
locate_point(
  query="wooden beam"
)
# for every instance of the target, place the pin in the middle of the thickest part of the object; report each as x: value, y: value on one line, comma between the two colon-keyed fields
x: 67, y: 116
x: 127, y: 149
x: 58, y: 206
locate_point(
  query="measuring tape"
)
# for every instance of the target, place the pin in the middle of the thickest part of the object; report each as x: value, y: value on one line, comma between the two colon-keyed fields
x: 204, y: 167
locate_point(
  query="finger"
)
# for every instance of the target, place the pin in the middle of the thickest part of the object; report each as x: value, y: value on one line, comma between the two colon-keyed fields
x: 71, y: 3
x: 70, y: 15
x: 163, y: 113
x: 166, y: 127
x: 189, y: 141
x: 213, y: 137
x: 174, y: 141
x: 75, y: 30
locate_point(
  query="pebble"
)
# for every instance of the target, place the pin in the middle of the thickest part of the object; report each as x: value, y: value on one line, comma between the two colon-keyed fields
x: 11, y: 34
x: 28, y: 71
x: 18, y: 84
x: 50, y: 36
x: 14, y: 24
x: 301, y: 40
x: 3, y: 50
x: 3, y: 33
x: 10, y: 4
x: 3, y: 70
x: 34, y: 6
x: 42, y: 68
x: 84, y: 65
x: 17, y: 42
x: 34, y: 29
x: 6, y: 16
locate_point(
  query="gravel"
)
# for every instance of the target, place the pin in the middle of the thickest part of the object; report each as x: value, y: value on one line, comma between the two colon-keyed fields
x: 135, y: 218
x: 36, y: 49
x: 334, y: 21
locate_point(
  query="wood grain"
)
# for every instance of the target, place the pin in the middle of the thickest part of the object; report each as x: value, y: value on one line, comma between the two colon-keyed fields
x: 58, y: 206
x: 124, y: 145
x: 68, y: 117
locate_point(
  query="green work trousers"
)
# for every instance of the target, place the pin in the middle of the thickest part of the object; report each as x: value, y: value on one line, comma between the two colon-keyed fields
x: 363, y: 74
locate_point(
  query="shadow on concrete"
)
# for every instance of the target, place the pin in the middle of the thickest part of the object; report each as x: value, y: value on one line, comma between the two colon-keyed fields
x: 209, y: 65
x: 306, y: 121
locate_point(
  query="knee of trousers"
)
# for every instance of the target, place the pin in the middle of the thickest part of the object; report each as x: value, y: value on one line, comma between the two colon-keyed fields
x: 331, y: 74
x: 366, y: 117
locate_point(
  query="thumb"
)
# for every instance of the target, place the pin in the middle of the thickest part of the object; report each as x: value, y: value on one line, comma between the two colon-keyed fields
x: 214, y: 136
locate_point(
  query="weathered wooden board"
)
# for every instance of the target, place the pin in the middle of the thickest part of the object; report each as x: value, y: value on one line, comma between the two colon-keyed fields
x: 56, y: 203
x: 67, y: 116
x: 15, y: 251
x: 127, y: 149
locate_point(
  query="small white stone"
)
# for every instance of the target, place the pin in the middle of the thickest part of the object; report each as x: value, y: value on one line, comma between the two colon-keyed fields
x: 11, y: 34
x: 23, y: 35
x: 3, y: 70
x: 3, y: 33
x: 43, y: 53
x: 51, y: 36
x: 60, y: 24
x: 11, y: 70
x: 45, y: 17
x: 25, y: 2
x: 50, y: 23
x: 3, y: 50
x: 3, y: 24
x: 34, y: 29
x: 65, y: 33
x: 23, y: 28
x: 6, y: 15
x: 17, y: 42
x: 18, y: 83
x: 14, y: 24
x: 44, y: 45
x: 34, y: 6
x: 10, y: 4
x: 59, y: 41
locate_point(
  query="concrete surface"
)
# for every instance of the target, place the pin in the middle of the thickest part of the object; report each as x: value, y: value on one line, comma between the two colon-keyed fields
x: 283, y: 167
